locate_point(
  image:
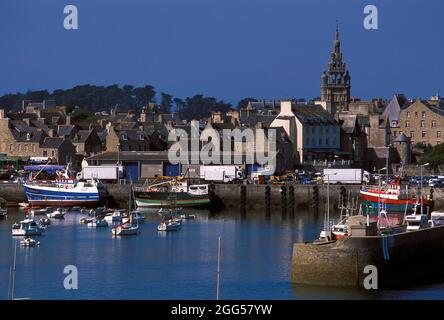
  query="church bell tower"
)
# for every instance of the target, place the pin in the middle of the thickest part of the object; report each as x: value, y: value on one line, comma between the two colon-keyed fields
x: 336, y: 81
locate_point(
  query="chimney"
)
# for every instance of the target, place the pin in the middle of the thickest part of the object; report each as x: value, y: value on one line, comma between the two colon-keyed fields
x: 2, y: 113
x: 259, y: 125
x: 68, y: 120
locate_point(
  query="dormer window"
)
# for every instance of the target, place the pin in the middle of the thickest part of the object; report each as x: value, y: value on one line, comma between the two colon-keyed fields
x: 28, y: 136
x: 123, y: 136
x: 141, y: 136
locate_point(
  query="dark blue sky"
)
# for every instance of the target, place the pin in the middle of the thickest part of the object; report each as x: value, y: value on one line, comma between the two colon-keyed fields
x: 229, y: 49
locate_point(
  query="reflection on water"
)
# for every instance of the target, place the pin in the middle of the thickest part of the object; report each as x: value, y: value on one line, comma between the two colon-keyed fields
x: 255, y: 263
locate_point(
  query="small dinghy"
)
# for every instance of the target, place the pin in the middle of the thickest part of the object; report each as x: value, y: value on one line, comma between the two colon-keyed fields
x: 58, y: 214
x: 169, y: 225
x: 97, y: 223
x: 86, y: 220
x: 29, y: 242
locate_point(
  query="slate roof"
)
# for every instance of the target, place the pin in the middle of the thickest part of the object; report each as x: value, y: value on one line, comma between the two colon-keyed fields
x: 52, y: 142
x: 402, y: 138
x: 65, y: 130
x: 313, y: 115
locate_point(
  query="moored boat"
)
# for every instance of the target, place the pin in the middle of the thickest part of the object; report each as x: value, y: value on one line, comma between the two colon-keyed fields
x: 29, y: 242
x: 57, y: 214
x: 27, y: 227
x: 172, y: 193
x: 169, y: 225
x: 97, y: 223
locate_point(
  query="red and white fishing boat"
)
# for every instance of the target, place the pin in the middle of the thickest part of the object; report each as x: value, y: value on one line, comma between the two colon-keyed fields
x: 396, y: 197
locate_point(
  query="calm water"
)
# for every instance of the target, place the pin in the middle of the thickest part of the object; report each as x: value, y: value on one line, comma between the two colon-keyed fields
x: 255, y: 264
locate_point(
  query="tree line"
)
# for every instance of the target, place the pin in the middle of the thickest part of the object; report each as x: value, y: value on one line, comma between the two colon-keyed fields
x: 127, y: 97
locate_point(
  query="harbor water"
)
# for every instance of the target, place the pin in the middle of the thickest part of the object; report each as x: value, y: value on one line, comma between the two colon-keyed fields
x: 255, y: 260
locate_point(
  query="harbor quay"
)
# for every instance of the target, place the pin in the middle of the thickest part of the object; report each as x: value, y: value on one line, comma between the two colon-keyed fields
x: 295, y: 196
x: 400, y: 259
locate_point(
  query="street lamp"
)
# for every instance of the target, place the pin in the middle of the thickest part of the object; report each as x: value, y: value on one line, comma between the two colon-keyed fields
x: 422, y: 201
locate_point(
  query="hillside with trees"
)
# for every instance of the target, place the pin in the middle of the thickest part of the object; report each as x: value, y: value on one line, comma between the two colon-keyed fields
x: 102, y: 98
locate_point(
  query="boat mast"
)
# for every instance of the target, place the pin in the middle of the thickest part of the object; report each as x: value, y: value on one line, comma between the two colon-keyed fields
x: 218, y: 270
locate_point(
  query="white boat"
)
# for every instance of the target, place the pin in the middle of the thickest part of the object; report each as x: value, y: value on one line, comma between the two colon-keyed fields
x: 128, y: 227
x: 23, y: 204
x: 115, y: 217
x: 57, y: 214
x: 27, y: 227
x: 437, y: 218
x: 125, y: 229
x: 169, y: 225
x: 40, y: 211
x: 416, y: 222
x: 97, y: 223
x: 86, y: 220
x: 29, y: 242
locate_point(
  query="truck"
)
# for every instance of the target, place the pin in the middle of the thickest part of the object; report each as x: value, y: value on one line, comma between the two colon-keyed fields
x: 220, y: 173
x: 345, y: 176
x: 105, y: 172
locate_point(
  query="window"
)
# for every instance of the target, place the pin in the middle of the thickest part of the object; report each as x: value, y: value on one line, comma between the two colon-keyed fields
x: 416, y: 114
x: 320, y: 141
x: 123, y: 136
x: 394, y: 133
x: 313, y: 130
x: 33, y: 148
x: 395, y: 123
x: 327, y: 130
x: 11, y: 147
x: 321, y: 130
x: 438, y: 134
x: 423, y: 134
x: 313, y: 141
x: 52, y: 153
x: 327, y: 141
x: 407, y: 124
x: 45, y: 153
x: 408, y: 114
x: 433, y: 123
x: 141, y: 137
x: 307, y: 141
x: 25, y: 148
x: 412, y: 134
x: 423, y: 115
x: 422, y: 124
x: 18, y: 147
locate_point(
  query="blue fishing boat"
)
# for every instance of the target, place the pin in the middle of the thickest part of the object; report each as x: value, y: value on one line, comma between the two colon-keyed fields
x: 62, y: 191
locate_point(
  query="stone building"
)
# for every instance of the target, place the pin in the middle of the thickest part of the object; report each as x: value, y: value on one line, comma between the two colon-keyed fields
x: 314, y: 132
x: 61, y: 150
x: 422, y: 122
x: 336, y: 81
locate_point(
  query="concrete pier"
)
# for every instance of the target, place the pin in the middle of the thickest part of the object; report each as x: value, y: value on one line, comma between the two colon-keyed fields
x: 401, y: 259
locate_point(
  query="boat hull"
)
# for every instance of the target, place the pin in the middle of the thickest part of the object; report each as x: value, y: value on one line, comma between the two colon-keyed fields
x: 165, y: 199
x: 392, y: 203
x: 60, y: 197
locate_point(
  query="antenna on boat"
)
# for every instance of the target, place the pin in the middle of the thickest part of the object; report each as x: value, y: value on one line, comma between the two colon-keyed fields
x: 218, y: 270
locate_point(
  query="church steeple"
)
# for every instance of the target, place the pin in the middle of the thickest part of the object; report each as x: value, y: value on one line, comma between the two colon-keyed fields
x: 336, y: 82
